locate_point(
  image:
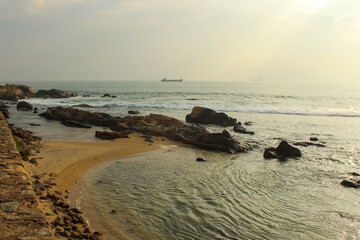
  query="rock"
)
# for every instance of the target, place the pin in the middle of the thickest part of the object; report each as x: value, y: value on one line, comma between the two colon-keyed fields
x: 113, y: 212
x: 349, y: 184
x: 200, y: 159
x: 133, y: 112
x: 83, y: 106
x: 36, y: 110
x: 54, y: 93
x: 285, y: 150
x: 86, y: 95
x: 226, y: 133
x: 269, y: 153
x: 24, y: 106
x: 26, y: 89
x: 35, y: 124
x: 4, y: 109
x: 70, y: 123
x: 314, y: 139
x: 106, y: 95
x: 306, y: 144
x: 248, y: 123
x: 15, y: 92
x: 355, y: 174
x: 113, y: 96
x: 112, y: 135
x: 33, y: 161
x: 44, y: 232
x: 240, y: 129
x: 204, y: 115
x: 10, y: 207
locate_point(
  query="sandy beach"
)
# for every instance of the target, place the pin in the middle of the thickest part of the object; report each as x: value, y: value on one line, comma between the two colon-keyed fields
x: 67, y: 161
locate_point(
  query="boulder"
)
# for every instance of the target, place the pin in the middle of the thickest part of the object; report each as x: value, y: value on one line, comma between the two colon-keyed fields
x: 204, y: 115
x: 349, y: 184
x: 269, y: 153
x: 240, y: 129
x: 112, y: 135
x: 285, y: 150
x: 26, y: 89
x: 133, y: 112
x: 70, y: 123
x: 106, y: 95
x: 54, y: 93
x: 24, y: 106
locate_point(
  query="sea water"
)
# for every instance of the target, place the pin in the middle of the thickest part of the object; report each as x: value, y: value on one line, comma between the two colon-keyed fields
x: 166, y: 194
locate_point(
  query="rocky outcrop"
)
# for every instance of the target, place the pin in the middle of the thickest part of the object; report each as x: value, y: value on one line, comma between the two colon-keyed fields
x: 112, y: 135
x: 15, y: 92
x: 204, y: 115
x: 153, y: 124
x: 240, y: 129
x: 282, y: 152
x: 24, y: 106
x: 54, y: 93
x: 4, y: 109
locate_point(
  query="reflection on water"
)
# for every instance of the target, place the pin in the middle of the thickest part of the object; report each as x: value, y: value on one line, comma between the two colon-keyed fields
x: 166, y: 194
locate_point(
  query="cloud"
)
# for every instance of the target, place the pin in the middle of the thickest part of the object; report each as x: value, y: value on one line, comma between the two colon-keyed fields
x: 37, y: 6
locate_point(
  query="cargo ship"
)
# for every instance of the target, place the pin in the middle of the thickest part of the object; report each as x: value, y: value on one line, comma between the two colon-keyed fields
x: 171, y: 80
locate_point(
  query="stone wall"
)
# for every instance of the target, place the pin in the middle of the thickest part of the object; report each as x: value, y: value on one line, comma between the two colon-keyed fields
x: 20, y: 216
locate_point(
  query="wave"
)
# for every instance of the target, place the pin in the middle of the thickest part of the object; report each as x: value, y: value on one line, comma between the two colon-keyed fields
x: 186, y: 104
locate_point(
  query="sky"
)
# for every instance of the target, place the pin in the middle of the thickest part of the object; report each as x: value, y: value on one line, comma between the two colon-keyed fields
x: 224, y: 40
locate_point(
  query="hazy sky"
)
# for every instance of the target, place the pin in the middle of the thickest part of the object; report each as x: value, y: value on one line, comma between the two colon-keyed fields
x: 287, y: 40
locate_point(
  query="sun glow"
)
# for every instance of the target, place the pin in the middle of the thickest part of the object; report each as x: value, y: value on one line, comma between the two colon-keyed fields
x: 314, y: 2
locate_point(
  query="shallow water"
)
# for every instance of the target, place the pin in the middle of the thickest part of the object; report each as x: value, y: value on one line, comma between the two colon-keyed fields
x: 166, y: 194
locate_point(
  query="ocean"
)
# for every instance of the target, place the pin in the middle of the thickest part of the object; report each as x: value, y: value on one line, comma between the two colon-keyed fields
x: 166, y: 194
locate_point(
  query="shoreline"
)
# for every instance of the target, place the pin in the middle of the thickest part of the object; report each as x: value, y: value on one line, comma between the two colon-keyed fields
x: 66, y: 162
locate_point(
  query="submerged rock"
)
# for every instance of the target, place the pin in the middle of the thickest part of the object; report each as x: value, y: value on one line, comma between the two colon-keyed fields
x: 240, y: 129
x: 200, y: 159
x: 112, y: 135
x: 133, y: 112
x: 306, y: 144
x: 204, y: 115
x: 70, y: 123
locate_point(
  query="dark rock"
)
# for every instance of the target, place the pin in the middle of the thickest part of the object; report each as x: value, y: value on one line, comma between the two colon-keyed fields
x: 33, y: 161
x: 54, y: 93
x: 204, y: 115
x: 200, y: 159
x: 349, y: 184
x: 133, y: 112
x: 306, y: 144
x: 226, y: 133
x: 35, y: 124
x: 285, y: 150
x: 314, y: 139
x: 240, y: 129
x: 36, y: 110
x: 269, y: 153
x: 113, y: 96
x: 24, y: 106
x: 248, y: 123
x: 355, y: 174
x: 112, y: 135
x: 4, y: 109
x: 112, y: 212
x: 106, y: 95
x: 70, y: 123
x: 86, y: 95
x: 83, y: 106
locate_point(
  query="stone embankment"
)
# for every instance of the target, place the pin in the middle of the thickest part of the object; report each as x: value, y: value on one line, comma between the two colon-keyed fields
x: 20, y: 215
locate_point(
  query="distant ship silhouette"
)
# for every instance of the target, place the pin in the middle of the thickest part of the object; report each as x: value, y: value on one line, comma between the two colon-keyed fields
x: 171, y: 80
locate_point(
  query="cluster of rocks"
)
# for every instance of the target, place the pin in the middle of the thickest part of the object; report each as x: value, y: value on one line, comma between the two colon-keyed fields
x: 152, y: 124
x: 15, y: 92
x: 107, y: 95
x: 282, y: 152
